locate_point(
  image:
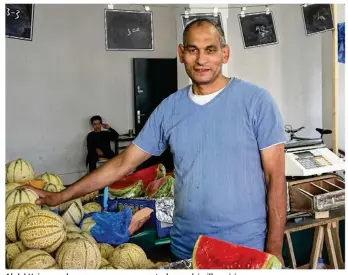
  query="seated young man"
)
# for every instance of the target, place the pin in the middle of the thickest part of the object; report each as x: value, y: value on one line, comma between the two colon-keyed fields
x: 98, y: 142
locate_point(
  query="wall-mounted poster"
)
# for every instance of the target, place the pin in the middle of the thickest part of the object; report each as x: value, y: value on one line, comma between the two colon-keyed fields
x: 258, y: 29
x: 317, y: 18
x: 341, y: 42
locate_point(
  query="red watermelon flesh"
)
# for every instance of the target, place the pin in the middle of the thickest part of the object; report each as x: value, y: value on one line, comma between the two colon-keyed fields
x: 147, y: 175
x: 211, y: 253
x: 160, y: 188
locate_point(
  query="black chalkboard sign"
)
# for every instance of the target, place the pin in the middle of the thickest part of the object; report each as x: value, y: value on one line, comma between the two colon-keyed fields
x: 19, y: 21
x: 186, y: 19
x: 128, y: 30
x: 258, y: 29
x: 317, y: 18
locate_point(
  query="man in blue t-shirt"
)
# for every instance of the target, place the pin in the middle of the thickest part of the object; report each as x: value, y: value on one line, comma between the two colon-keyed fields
x: 227, y: 139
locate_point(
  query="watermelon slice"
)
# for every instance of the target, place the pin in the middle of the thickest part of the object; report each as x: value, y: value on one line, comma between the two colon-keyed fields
x: 211, y: 253
x: 160, y: 188
x: 147, y: 175
x: 126, y: 189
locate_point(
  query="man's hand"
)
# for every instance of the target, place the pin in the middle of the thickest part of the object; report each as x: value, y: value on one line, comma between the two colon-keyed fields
x: 99, y: 152
x: 47, y: 198
x: 106, y: 126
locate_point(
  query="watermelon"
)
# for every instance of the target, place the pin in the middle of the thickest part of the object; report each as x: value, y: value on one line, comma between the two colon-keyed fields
x: 147, y: 175
x: 160, y: 188
x: 211, y: 253
x: 126, y: 189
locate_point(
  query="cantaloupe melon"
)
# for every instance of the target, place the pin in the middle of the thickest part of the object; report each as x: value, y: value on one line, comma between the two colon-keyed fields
x: 78, y: 254
x: 15, y: 216
x: 53, y: 183
x: 72, y: 228
x: 105, y: 250
x: 92, y: 207
x: 87, y: 224
x: 43, y: 230
x: 74, y: 214
x: 12, y: 250
x: 34, y: 259
x: 20, y: 195
x: 82, y: 235
x: 88, y: 237
x: 89, y: 197
x: 19, y: 171
x: 128, y: 256
x: 11, y: 186
x: 104, y: 262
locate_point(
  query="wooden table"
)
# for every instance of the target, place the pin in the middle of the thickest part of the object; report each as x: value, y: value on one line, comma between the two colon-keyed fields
x: 324, y: 229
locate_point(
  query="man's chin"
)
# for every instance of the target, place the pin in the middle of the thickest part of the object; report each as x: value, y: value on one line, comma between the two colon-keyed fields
x: 201, y: 81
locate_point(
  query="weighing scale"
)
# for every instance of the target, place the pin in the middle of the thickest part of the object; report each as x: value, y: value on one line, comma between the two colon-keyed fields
x: 310, y: 157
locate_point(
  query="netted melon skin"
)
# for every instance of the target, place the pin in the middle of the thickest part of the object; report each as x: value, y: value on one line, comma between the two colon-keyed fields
x: 78, y: 254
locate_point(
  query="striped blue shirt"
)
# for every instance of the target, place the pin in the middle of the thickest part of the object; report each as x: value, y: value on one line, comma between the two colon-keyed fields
x: 219, y: 188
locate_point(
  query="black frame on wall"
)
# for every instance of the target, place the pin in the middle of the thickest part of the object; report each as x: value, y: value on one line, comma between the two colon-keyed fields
x: 252, y: 39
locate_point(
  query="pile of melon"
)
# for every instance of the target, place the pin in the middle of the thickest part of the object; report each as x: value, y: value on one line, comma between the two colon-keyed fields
x: 50, y: 237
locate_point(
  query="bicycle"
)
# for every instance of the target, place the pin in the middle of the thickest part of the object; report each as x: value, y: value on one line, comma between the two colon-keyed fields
x: 288, y: 129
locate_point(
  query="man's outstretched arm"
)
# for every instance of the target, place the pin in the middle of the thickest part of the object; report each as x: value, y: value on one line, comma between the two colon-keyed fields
x: 111, y: 171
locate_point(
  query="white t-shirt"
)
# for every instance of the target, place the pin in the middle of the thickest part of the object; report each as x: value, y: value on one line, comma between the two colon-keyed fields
x: 203, y: 99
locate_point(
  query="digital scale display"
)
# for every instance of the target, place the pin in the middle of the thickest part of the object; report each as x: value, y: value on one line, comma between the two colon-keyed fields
x: 309, y: 161
x: 305, y: 154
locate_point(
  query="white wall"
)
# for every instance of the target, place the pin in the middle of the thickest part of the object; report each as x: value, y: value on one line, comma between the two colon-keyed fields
x: 56, y: 82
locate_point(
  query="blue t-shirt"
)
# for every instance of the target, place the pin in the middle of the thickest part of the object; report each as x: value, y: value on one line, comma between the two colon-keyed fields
x: 219, y: 184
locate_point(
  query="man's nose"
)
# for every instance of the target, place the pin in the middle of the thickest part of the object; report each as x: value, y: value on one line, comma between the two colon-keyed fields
x: 201, y: 58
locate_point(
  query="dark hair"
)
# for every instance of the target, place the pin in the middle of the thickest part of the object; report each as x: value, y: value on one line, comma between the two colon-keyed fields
x: 93, y: 118
x: 200, y: 22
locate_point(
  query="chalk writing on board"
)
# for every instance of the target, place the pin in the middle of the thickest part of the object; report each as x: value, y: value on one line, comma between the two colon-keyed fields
x: 133, y: 30
x: 15, y: 13
x: 258, y: 29
x: 317, y: 18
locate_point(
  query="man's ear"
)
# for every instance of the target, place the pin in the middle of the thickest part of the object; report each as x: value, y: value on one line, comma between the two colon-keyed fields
x: 226, y: 53
x: 181, y: 53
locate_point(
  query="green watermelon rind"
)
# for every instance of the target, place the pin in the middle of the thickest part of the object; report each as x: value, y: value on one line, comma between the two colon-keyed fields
x: 161, y: 171
x: 165, y: 189
x: 136, y: 189
x: 272, y: 262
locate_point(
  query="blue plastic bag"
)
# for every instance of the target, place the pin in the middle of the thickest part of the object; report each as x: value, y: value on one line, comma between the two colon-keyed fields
x: 111, y: 227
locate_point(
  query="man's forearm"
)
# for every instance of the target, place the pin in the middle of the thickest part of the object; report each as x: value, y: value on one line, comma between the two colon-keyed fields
x: 107, y: 174
x: 276, y: 200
